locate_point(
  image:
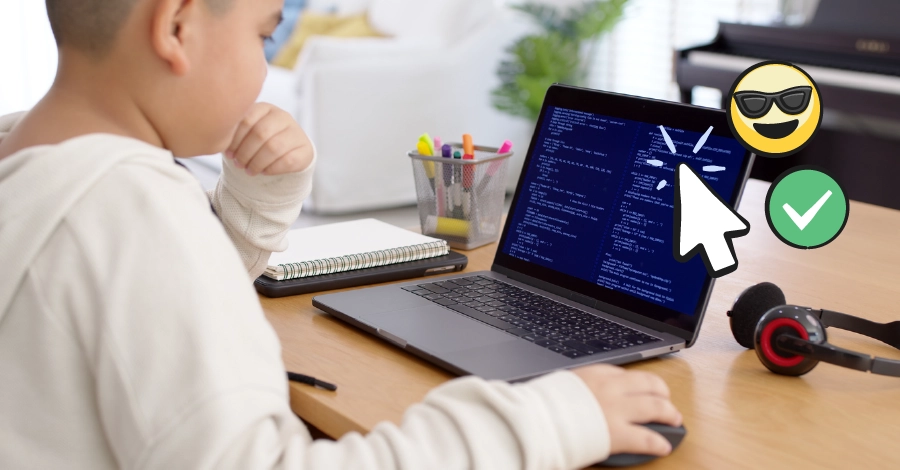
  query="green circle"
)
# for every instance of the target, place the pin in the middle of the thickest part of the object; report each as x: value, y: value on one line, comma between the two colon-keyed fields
x: 806, y: 208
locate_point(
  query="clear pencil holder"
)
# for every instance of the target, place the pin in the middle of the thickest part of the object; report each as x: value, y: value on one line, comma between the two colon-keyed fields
x: 461, y: 201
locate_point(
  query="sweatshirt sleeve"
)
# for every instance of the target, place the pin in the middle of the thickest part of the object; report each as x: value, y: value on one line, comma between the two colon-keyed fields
x: 8, y: 121
x: 257, y: 211
x: 552, y: 422
x: 188, y: 373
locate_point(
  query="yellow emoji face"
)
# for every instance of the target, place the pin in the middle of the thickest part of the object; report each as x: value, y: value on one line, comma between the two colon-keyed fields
x: 775, y: 109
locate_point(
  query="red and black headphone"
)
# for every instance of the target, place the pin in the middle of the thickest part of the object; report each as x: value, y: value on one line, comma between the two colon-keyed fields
x: 791, y: 340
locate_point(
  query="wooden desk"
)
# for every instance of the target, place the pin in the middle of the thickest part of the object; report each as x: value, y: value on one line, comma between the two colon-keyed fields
x: 738, y: 414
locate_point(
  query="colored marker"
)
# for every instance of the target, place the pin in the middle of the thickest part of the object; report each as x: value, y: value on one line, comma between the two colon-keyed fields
x: 423, y: 149
x: 468, y: 172
x: 429, y: 142
x: 446, y: 152
x: 457, y: 179
x: 441, y: 201
x: 468, y: 147
x: 494, y: 166
x: 437, y: 144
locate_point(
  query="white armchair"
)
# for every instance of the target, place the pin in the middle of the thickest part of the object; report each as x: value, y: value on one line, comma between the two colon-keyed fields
x: 365, y: 101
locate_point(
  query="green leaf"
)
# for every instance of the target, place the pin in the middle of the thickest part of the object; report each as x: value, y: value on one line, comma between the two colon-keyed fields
x: 537, y: 61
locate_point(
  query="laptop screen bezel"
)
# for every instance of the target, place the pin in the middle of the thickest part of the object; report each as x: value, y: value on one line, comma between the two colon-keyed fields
x: 646, y: 110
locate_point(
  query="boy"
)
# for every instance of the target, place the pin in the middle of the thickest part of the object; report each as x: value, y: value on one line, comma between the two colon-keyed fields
x: 130, y: 335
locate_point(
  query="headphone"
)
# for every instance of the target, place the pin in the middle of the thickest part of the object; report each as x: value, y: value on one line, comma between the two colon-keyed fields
x: 791, y: 340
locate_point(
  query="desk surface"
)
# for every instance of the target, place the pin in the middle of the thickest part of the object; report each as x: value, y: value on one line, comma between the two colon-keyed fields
x: 738, y: 414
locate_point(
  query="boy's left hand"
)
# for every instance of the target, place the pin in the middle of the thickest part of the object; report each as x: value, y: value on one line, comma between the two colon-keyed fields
x: 268, y: 141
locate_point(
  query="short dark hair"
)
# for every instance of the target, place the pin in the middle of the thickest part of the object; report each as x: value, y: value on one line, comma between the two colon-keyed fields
x: 92, y: 25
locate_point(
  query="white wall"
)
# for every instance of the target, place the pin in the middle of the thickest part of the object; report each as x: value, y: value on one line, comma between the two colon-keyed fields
x: 27, y: 54
x: 636, y: 58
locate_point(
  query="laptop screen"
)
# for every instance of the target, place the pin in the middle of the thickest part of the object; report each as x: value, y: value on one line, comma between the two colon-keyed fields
x: 595, y: 203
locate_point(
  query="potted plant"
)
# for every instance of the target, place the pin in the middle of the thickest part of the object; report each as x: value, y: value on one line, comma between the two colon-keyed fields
x: 561, y: 52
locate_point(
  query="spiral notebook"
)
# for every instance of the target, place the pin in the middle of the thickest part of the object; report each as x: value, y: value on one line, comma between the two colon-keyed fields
x: 348, y: 246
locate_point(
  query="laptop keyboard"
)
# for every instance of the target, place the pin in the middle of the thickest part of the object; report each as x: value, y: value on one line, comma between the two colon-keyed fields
x: 545, y: 322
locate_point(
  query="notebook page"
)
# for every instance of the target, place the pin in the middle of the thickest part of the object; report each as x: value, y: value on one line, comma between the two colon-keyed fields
x: 345, y: 238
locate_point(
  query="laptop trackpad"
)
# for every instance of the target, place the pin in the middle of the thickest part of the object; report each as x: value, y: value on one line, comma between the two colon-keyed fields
x: 436, y: 329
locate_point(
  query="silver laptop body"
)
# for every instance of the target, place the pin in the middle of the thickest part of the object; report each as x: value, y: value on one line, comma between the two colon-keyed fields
x: 478, y: 323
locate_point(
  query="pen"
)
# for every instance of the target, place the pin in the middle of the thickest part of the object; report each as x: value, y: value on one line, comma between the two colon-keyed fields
x: 305, y: 379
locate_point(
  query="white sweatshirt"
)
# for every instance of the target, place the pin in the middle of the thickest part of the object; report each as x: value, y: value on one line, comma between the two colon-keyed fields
x: 131, y: 337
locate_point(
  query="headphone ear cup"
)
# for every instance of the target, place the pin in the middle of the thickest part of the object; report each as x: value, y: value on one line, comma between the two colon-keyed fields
x: 749, y: 307
x: 787, y: 320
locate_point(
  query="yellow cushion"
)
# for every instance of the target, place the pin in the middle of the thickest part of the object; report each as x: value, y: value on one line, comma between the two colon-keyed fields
x: 317, y: 24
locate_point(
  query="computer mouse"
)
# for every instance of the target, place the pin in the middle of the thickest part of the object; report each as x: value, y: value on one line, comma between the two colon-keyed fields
x: 673, y: 434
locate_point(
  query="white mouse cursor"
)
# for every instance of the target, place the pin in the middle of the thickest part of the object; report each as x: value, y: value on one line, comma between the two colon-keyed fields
x: 704, y: 224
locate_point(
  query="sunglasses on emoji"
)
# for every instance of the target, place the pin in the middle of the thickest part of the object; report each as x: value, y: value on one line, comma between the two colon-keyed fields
x: 755, y: 104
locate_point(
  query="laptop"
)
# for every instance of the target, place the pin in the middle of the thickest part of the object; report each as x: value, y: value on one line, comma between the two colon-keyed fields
x: 584, y: 270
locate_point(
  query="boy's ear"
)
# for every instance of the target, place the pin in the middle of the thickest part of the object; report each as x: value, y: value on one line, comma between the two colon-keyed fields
x: 171, y: 24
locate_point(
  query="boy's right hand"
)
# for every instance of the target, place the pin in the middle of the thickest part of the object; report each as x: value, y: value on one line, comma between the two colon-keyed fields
x: 629, y: 399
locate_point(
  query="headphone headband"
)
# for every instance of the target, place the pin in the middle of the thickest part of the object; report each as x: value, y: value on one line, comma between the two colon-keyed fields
x: 888, y: 333
x: 832, y: 354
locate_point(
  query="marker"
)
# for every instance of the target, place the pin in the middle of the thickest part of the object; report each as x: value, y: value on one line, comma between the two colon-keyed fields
x: 468, y: 154
x: 441, y: 200
x: 467, y: 205
x: 437, y: 144
x: 494, y: 166
x: 429, y: 142
x: 457, y: 179
x: 423, y: 149
x: 506, y: 147
x: 446, y: 152
x: 305, y: 379
x: 468, y: 147
x: 468, y: 172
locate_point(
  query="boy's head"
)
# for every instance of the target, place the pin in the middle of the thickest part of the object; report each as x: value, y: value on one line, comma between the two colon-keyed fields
x: 192, y: 67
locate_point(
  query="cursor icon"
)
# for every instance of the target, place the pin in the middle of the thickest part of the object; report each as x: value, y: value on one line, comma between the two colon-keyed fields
x: 704, y: 224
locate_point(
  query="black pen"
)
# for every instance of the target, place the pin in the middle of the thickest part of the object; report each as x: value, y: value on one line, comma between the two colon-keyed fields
x: 305, y: 379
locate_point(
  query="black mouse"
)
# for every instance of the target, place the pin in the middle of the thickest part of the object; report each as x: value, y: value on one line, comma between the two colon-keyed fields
x: 674, y: 436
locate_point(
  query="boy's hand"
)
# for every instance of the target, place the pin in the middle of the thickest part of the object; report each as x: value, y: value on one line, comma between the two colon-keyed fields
x: 268, y: 141
x: 629, y: 399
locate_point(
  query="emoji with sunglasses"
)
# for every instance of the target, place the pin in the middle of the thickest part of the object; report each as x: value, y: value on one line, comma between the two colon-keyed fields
x: 775, y: 109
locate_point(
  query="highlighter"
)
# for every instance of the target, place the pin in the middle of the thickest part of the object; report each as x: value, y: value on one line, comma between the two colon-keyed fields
x: 494, y: 166
x: 468, y: 154
x: 446, y: 226
x: 429, y: 142
x: 423, y: 149
x: 468, y: 147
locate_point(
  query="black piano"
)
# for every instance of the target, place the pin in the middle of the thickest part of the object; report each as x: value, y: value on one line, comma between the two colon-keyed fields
x: 852, y: 50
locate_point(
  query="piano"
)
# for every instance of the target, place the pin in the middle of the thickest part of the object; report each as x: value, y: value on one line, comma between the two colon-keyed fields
x: 852, y: 50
